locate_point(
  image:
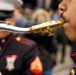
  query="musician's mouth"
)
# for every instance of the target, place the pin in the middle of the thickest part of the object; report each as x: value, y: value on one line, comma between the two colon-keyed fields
x: 63, y: 18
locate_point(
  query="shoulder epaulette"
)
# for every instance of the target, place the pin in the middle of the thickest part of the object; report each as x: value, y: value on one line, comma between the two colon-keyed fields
x: 12, y: 39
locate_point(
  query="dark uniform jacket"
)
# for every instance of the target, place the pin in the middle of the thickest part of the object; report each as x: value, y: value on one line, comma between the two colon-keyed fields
x: 19, y: 56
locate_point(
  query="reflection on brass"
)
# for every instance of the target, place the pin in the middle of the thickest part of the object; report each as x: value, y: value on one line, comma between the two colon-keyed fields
x: 46, y: 27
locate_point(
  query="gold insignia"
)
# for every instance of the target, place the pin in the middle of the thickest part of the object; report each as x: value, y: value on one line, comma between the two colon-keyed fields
x: 9, y: 68
x: 36, y: 66
x: 18, y: 38
x: 72, y: 72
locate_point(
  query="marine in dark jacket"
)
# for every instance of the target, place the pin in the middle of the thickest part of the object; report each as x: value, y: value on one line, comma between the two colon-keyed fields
x: 18, y: 55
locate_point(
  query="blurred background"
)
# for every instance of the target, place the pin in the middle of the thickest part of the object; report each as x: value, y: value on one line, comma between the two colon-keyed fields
x: 55, y: 50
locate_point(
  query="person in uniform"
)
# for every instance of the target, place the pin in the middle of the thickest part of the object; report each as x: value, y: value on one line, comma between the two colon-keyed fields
x: 18, y: 55
x: 67, y: 10
x: 21, y: 21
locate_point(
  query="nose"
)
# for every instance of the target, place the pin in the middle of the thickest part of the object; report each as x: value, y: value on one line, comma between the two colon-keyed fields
x: 62, y: 6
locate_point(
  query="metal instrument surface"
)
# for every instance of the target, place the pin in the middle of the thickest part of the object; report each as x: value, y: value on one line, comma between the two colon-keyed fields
x: 46, y: 27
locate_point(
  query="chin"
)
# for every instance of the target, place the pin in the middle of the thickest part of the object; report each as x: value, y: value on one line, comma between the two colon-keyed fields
x: 74, y: 41
x: 72, y: 38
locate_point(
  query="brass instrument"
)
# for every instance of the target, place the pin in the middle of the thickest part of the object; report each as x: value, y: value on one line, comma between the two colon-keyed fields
x: 46, y: 27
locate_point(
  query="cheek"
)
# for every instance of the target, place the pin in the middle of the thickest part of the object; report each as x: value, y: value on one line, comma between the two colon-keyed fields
x: 70, y: 28
x: 71, y: 11
x: 73, y: 23
x: 70, y: 32
x: 70, y: 15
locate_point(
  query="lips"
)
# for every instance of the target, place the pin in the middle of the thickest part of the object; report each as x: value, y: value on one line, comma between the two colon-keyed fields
x: 63, y: 18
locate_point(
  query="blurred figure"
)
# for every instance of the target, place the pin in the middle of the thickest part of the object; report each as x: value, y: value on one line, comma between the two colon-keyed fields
x: 41, y: 15
x: 28, y: 11
x: 54, y: 4
x: 18, y: 55
x: 20, y: 20
x: 33, y: 3
x: 46, y: 44
x: 54, y: 15
x: 63, y: 41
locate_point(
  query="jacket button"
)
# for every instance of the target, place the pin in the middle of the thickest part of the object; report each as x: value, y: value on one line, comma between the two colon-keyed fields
x: 18, y: 38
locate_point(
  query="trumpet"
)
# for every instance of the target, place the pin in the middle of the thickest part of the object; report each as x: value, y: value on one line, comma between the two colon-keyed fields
x: 46, y: 27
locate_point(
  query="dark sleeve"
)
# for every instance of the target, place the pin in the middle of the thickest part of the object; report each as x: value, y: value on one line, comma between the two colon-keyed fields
x: 32, y: 64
